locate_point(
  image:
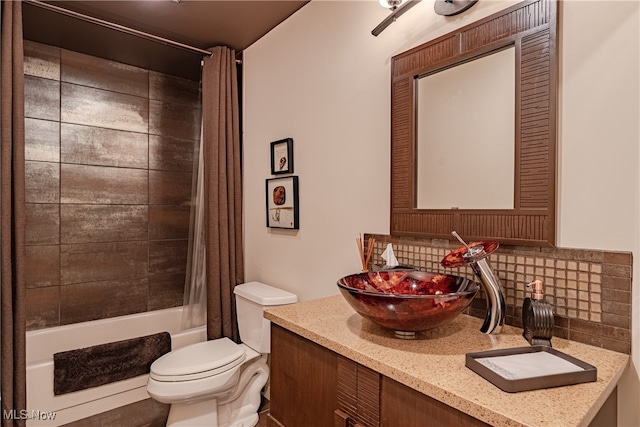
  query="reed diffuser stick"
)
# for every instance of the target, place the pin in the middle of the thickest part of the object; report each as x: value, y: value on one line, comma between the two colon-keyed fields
x: 370, y: 244
x: 365, y: 260
x: 361, y: 252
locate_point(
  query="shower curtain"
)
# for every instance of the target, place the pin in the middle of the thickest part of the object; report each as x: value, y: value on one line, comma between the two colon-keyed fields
x: 194, y: 311
x: 218, y: 261
x: 12, y: 219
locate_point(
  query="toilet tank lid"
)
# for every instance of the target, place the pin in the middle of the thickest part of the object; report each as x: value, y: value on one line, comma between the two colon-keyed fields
x: 264, y: 294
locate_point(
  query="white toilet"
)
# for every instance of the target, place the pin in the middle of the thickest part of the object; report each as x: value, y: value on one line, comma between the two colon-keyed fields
x: 218, y: 382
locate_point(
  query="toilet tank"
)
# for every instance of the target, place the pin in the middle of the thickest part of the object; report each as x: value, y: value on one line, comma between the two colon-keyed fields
x: 252, y: 299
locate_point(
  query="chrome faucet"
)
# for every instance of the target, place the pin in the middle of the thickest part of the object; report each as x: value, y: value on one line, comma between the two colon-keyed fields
x: 475, y: 255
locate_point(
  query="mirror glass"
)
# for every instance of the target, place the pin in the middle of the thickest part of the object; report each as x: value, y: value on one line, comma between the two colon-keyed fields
x: 466, y: 135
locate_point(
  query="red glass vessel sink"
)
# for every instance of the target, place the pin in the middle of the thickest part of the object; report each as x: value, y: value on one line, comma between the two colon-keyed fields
x: 408, y: 301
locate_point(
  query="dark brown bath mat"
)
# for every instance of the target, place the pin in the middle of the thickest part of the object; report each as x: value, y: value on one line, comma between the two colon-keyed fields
x: 84, y: 368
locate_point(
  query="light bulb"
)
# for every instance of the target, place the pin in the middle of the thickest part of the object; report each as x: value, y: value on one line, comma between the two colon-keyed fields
x: 390, y: 4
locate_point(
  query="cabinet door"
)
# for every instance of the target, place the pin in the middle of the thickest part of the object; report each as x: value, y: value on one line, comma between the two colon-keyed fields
x: 403, y: 406
x: 303, y: 381
x: 358, y: 395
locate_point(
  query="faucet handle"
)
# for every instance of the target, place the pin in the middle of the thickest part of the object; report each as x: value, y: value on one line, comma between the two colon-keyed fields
x: 475, y: 252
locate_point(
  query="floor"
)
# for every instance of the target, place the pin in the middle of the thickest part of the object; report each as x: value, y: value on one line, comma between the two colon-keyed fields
x: 263, y: 411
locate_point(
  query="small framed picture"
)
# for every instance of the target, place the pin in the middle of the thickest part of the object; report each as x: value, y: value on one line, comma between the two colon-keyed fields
x: 282, y: 202
x: 282, y: 156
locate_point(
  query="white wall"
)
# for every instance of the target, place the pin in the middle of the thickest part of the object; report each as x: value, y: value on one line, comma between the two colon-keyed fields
x: 599, y: 152
x: 322, y: 78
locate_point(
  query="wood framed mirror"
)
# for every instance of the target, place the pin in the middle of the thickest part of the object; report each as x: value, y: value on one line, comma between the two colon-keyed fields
x: 529, y: 28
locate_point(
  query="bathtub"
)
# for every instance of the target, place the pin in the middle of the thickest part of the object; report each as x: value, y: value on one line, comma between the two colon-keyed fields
x: 45, y: 409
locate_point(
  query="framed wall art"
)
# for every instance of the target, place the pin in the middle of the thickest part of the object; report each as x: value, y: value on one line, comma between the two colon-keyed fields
x: 282, y: 156
x: 282, y: 202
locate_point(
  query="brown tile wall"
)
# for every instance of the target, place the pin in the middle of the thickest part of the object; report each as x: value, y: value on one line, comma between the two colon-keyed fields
x: 590, y: 290
x: 109, y: 158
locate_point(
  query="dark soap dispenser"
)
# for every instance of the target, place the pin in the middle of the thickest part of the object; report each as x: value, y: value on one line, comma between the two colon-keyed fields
x: 537, y: 316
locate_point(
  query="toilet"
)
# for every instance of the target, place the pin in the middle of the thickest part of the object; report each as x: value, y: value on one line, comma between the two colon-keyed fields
x: 218, y: 382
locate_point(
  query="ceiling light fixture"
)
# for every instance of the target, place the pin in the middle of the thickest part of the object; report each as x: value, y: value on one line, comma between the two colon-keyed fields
x: 390, y: 4
x: 452, y: 7
x: 400, y: 7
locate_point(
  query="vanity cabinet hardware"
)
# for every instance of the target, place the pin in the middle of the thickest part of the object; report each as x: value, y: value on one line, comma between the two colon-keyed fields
x: 342, y: 419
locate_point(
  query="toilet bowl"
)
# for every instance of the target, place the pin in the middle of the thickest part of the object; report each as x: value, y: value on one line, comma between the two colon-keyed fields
x: 218, y: 382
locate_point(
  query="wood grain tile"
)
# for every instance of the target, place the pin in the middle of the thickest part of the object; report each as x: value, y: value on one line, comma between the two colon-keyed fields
x: 169, y: 222
x: 584, y: 326
x: 616, y: 270
x: 616, y: 345
x: 619, y: 334
x: 561, y: 333
x: 176, y: 90
x: 41, y: 140
x: 42, y: 224
x: 617, y: 308
x: 167, y: 257
x: 174, y: 120
x: 615, y: 295
x: 42, y: 182
x: 101, y: 73
x: 166, y: 291
x: 89, y: 262
x: 93, y: 204
x: 96, y: 107
x: 619, y: 283
x: 171, y: 154
x: 616, y: 320
x: 145, y: 413
x: 572, y: 254
x: 594, y: 340
x: 43, y: 266
x: 82, y: 302
x: 90, y: 145
x: 103, y: 223
x: 41, y: 98
x: 169, y: 188
x: 41, y: 60
x: 103, y: 185
x: 624, y: 258
x: 43, y: 307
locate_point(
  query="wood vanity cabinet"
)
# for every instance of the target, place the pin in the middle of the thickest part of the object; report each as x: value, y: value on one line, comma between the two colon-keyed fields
x: 312, y: 386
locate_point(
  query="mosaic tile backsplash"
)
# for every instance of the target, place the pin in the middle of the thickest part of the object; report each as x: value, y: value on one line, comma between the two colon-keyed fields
x: 590, y: 290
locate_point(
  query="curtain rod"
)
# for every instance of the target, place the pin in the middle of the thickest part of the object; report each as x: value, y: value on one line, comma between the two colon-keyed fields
x: 117, y: 27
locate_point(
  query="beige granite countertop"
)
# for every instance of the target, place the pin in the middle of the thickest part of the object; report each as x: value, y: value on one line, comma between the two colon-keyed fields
x: 434, y: 364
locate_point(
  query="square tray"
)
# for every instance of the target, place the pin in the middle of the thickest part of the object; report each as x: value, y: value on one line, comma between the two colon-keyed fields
x: 530, y: 368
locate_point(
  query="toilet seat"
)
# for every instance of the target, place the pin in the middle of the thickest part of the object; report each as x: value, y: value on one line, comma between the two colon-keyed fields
x: 198, y: 361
